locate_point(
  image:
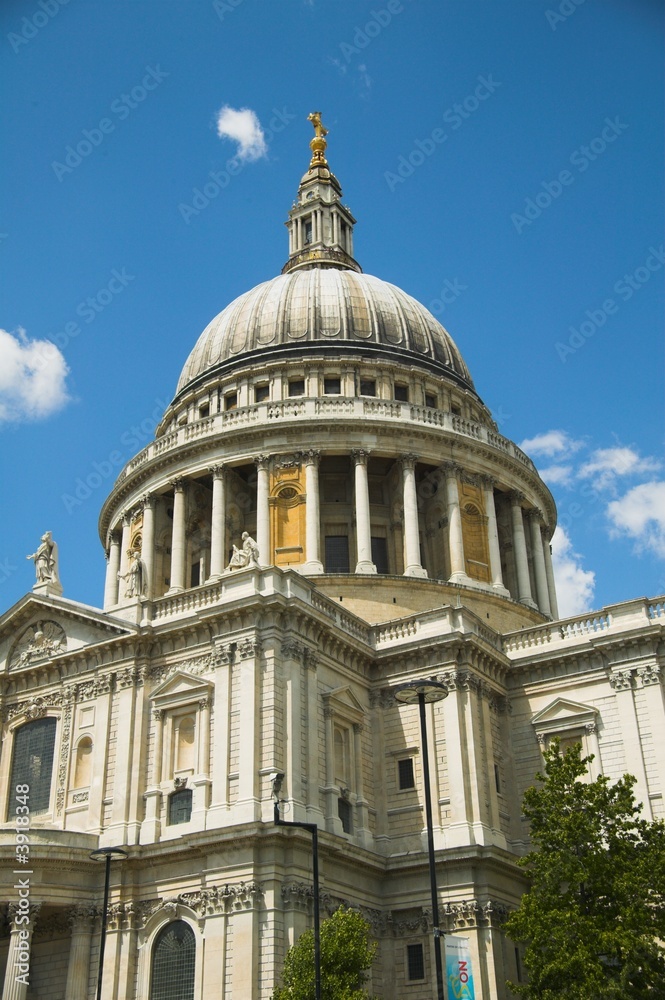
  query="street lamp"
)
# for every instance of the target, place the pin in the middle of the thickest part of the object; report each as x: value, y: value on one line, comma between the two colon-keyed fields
x: 312, y: 828
x: 106, y: 854
x: 420, y: 693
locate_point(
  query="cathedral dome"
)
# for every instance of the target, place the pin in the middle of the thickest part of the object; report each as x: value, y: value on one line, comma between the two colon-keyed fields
x: 324, y: 309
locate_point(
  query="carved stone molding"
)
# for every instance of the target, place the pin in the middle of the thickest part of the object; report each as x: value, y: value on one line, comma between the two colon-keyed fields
x: 650, y: 674
x: 248, y: 648
x: 621, y: 680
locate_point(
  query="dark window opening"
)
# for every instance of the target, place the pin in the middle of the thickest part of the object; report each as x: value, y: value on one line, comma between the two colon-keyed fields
x: 180, y: 807
x: 344, y: 813
x: 430, y: 401
x: 518, y: 965
x: 497, y: 778
x: 308, y: 232
x: 195, y: 576
x: 402, y: 393
x: 415, y: 961
x: 332, y: 386
x: 405, y: 773
x: 32, y: 764
x: 204, y: 410
x: 456, y: 410
x: 297, y: 387
x: 337, y: 554
x: 174, y: 963
x: 380, y: 554
x: 230, y: 401
x: 261, y: 393
x: 367, y: 387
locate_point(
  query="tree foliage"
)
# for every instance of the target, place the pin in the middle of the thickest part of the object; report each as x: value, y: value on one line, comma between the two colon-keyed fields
x: 593, y: 919
x: 346, y: 954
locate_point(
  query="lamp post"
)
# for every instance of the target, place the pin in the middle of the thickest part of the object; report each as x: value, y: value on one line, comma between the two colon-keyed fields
x: 106, y: 854
x: 313, y: 829
x: 420, y: 693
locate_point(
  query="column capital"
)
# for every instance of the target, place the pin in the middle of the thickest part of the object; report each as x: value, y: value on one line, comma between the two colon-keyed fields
x: 451, y: 469
x: 178, y: 484
x: 516, y: 498
x: 81, y: 915
x: 487, y: 482
x: 358, y: 727
x: 218, y: 471
x: 158, y: 714
x: 533, y: 514
x: 204, y: 703
x: 408, y: 462
x: 126, y: 518
x: 148, y: 500
x: 262, y: 462
x: 360, y: 456
x: 649, y: 674
x: 311, y: 457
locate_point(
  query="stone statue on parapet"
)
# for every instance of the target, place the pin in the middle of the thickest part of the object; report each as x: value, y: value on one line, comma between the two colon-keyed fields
x: 134, y: 576
x: 46, y: 560
x: 245, y: 557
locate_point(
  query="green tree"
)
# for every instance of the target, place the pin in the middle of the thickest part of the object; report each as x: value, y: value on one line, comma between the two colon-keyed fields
x: 346, y: 954
x: 593, y: 918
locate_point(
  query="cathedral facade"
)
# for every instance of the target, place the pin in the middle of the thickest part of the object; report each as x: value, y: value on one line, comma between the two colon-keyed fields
x: 327, y: 512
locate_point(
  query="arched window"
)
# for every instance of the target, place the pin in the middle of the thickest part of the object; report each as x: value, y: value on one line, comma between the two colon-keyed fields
x: 185, y: 747
x: 83, y: 765
x: 173, y: 960
x: 32, y: 763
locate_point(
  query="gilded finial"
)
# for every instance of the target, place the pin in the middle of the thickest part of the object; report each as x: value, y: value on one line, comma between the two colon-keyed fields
x: 318, y: 143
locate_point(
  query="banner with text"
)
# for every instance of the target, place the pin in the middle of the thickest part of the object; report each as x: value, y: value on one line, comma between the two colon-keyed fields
x: 458, y: 968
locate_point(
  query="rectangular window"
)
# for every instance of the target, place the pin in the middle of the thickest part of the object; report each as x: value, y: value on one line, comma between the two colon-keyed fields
x: 402, y: 393
x: 497, y: 778
x: 405, y: 774
x: 230, y: 400
x: 518, y: 965
x: 337, y: 554
x: 261, y: 393
x: 344, y: 813
x: 430, y: 400
x: 180, y: 807
x: 308, y: 232
x: 195, y: 575
x: 415, y: 962
x: 332, y: 386
x: 367, y: 387
x: 456, y: 410
x: 380, y: 554
x: 32, y: 764
x: 297, y: 387
x: 204, y: 410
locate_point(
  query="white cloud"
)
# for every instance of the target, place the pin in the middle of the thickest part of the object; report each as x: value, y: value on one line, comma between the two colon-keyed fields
x: 607, y: 464
x: 551, y: 443
x: 557, y: 475
x: 242, y: 126
x: 640, y: 514
x: 574, y: 585
x: 33, y: 376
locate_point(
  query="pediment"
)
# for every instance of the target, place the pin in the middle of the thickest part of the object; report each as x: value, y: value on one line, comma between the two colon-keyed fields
x: 561, y: 714
x: 40, y: 627
x: 180, y: 689
x: 344, y: 702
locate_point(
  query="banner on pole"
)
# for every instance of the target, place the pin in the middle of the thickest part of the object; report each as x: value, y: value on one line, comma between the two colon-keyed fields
x: 458, y: 968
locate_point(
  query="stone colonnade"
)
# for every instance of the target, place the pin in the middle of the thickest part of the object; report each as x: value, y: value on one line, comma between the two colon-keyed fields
x: 534, y: 588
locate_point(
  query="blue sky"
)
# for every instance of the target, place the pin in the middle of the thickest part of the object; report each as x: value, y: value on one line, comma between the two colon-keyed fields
x: 512, y: 152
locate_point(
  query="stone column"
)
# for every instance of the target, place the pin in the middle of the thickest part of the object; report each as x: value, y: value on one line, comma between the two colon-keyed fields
x: 201, y: 782
x: 361, y: 826
x: 413, y: 565
x: 292, y: 656
x: 457, y: 564
x: 247, y: 807
x: 148, y: 546
x: 330, y: 790
x: 19, y: 949
x: 493, y: 538
x: 363, y: 529
x: 519, y: 548
x: 622, y: 682
x: 81, y: 919
x: 178, y: 537
x: 124, y: 548
x: 549, y: 570
x: 542, y: 590
x: 218, y: 523
x: 314, y: 813
x: 112, y: 570
x: 152, y: 824
x: 218, y: 812
x: 263, y: 509
x: 654, y: 696
x: 313, y: 562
